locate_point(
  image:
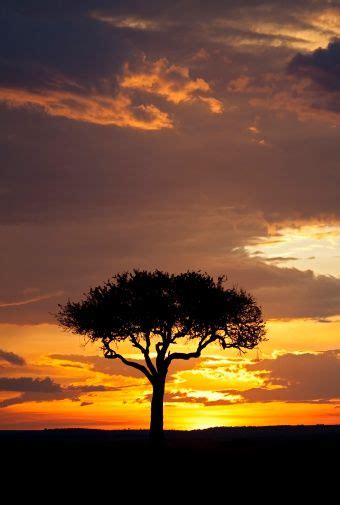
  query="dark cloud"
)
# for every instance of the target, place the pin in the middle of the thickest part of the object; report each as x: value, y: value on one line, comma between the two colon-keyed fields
x: 42, y: 390
x: 177, y: 397
x: 308, y: 89
x: 280, y: 259
x: 12, y: 358
x: 320, y: 70
x: 29, y: 385
x: 322, y: 66
x: 74, y: 46
x: 291, y: 293
x: 90, y: 40
x: 168, y: 8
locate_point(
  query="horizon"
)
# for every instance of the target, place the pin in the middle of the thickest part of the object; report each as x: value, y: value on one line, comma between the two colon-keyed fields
x: 146, y: 430
x: 173, y: 136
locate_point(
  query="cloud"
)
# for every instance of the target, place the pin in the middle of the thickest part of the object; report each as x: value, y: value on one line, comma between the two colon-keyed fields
x: 206, y: 401
x: 176, y: 397
x: 99, y: 364
x: 206, y: 398
x: 46, y: 390
x: 297, y: 378
x: 318, y: 79
x: 280, y: 259
x: 292, y: 293
x: 245, y: 26
x: 11, y: 358
x: 310, y: 87
x: 286, y: 93
x: 30, y: 300
x: 97, y: 109
x: 116, y: 367
x: 312, y: 378
x: 321, y: 66
x: 63, y: 97
x: 172, y: 82
x: 80, y: 256
x: 127, y: 22
x: 30, y: 385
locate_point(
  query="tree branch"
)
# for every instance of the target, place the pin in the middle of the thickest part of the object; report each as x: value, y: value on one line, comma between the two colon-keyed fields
x: 183, y: 355
x: 111, y: 354
x: 195, y: 354
x: 161, y: 348
x: 145, y: 352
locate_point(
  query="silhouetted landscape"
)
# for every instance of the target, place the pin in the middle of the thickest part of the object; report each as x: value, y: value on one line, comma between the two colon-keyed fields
x: 315, y: 445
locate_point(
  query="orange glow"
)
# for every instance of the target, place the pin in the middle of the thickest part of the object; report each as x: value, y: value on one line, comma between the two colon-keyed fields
x: 200, y: 388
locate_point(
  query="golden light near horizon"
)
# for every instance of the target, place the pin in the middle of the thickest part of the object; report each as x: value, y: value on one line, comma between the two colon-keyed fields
x: 308, y: 247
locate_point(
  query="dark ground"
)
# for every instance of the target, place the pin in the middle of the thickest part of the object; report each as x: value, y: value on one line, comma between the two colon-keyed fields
x: 303, y: 456
x: 251, y: 442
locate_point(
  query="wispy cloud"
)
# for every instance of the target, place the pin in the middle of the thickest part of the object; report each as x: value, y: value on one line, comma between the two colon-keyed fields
x: 30, y: 300
x: 131, y: 22
x: 93, y: 108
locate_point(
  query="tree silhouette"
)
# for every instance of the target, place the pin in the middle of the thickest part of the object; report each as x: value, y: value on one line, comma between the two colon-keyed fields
x: 154, y: 311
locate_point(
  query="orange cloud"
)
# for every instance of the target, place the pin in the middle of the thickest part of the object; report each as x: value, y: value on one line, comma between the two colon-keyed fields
x: 172, y: 82
x: 253, y: 129
x: 213, y: 104
x: 94, y: 108
x: 129, y: 22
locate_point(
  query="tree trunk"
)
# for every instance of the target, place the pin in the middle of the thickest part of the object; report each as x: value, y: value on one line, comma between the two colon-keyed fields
x: 156, y: 424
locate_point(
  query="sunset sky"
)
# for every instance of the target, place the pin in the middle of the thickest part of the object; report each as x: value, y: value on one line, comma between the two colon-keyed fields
x: 170, y: 134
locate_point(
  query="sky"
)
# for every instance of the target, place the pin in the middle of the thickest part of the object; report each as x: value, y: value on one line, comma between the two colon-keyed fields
x: 170, y: 135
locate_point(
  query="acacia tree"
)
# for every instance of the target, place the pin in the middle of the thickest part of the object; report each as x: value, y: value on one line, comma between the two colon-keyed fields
x: 154, y: 311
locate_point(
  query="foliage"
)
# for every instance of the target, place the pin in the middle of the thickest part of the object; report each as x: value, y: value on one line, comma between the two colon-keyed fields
x: 145, y: 307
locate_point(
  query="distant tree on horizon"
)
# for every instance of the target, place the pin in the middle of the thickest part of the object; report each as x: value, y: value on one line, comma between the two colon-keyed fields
x: 156, y: 310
